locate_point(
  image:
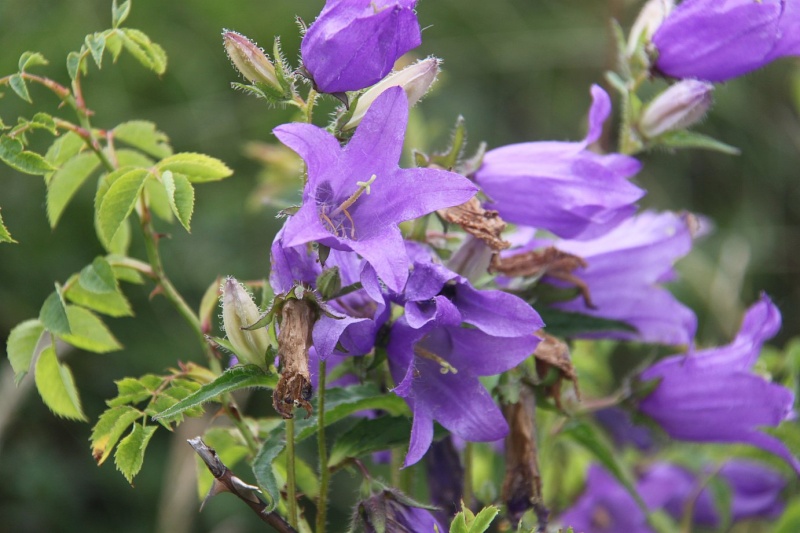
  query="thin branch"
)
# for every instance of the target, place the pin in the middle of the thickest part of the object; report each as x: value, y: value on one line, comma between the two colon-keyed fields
x: 226, y: 481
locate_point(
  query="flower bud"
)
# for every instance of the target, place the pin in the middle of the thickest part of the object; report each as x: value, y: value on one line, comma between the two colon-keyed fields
x: 415, y: 80
x: 391, y: 510
x: 238, y: 312
x: 679, y: 107
x: 650, y: 18
x: 249, y: 59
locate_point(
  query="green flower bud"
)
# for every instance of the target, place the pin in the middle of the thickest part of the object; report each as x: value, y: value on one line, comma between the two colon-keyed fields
x: 240, y: 311
x: 415, y: 80
x: 679, y: 107
x: 250, y: 60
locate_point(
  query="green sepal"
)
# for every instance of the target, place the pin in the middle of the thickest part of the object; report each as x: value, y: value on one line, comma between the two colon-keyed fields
x: 690, y: 139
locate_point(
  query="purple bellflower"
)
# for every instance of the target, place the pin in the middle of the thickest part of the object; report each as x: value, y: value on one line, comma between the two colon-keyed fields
x: 755, y: 491
x: 351, y: 320
x: 622, y: 429
x: 354, y: 43
x: 624, y: 272
x: 605, y: 507
x: 716, y: 40
x: 356, y: 195
x: 713, y: 396
x: 435, y: 361
x: 562, y: 187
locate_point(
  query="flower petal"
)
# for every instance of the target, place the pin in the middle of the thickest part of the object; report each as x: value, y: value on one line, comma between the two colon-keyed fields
x: 318, y: 148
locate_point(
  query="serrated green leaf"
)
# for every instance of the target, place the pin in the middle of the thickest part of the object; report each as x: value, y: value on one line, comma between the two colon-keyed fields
x: 109, y: 428
x: 31, y: 59
x: 459, y: 524
x: 591, y: 439
x: 119, y: 12
x: 110, y: 303
x: 143, y: 135
x: 370, y: 435
x: 119, y: 201
x: 157, y: 200
x: 262, y: 468
x: 567, y: 324
x: 13, y: 154
x: 148, y: 53
x: 63, y: 149
x: 66, y: 181
x: 56, y: 386
x: 197, y: 167
x: 5, y: 236
x: 96, y: 42
x: 181, y: 196
x: 129, y: 456
x: 18, y: 85
x: 114, y: 44
x: 691, y: 139
x: 53, y: 314
x: 98, y: 277
x: 73, y: 64
x: 238, y: 377
x: 88, y: 332
x: 21, y: 346
x: 483, y: 519
x: 134, y: 158
x: 44, y: 121
x: 132, y: 391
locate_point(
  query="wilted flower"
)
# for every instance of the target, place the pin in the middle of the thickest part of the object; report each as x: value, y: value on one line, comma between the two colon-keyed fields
x: 605, y: 507
x: 435, y: 361
x: 415, y: 80
x: 562, y: 187
x: 356, y: 195
x: 679, y: 107
x: 622, y: 272
x: 250, y: 60
x: 716, y: 40
x: 354, y: 43
x: 713, y: 396
x: 239, y: 311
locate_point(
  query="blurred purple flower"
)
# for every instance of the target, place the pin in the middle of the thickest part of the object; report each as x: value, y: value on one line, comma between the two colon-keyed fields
x: 624, y: 272
x: 561, y: 186
x: 354, y: 43
x: 356, y: 195
x: 605, y: 507
x: 436, y: 362
x: 713, y: 396
x: 716, y: 40
x: 623, y: 431
x: 755, y: 491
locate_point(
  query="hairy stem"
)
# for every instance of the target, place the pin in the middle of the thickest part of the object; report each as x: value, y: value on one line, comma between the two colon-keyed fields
x: 324, y: 473
x: 291, y: 485
x: 468, y: 492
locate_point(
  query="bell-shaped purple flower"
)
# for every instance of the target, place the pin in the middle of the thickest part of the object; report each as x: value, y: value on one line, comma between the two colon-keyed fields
x: 716, y: 40
x: 351, y: 320
x: 562, y: 187
x: 354, y: 43
x: 713, y: 396
x: 625, y: 270
x: 755, y: 491
x: 356, y: 195
x: 436, y: 361
x: 605, y: 507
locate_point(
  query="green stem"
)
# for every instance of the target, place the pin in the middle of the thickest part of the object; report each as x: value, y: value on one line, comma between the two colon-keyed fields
x: 468, y: 492
x: 396, y: 466
x: 235, y: 415
x: 309, y: 108
x: 291, y: 484
x: 324, y: 473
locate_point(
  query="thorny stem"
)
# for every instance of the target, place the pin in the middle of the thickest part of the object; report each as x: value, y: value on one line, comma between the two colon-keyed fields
x: 291, y: 486
x: 324, y: 473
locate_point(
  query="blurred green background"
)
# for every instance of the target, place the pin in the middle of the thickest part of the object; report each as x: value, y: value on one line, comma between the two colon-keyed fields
x: 518, y: 70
